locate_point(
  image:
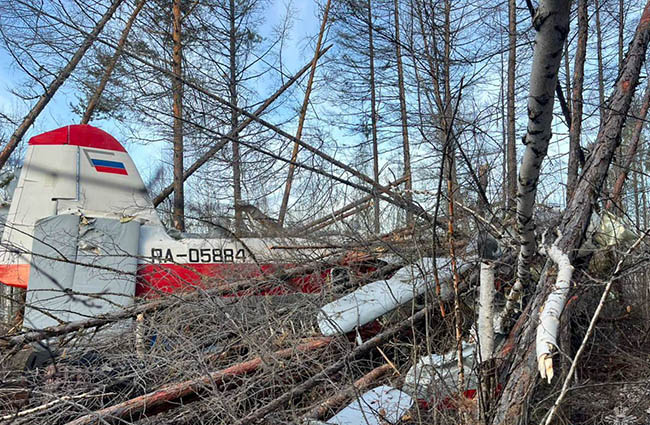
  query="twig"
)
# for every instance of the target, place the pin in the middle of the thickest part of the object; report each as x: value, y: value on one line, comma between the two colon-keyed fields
x: 342, y: 396
x: 260, y: 414
x: 49, y: 404
x: 140, y: 405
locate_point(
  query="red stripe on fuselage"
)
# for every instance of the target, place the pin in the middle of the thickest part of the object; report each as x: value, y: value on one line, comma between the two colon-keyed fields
x: 234, y: 279
x: 111, y: 170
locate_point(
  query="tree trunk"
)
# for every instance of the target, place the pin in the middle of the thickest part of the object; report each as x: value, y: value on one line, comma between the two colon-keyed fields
x: 45, y: 98
x: 628, y: 159
x: 447, y: 114
x: 576, y: 108
x: 301, y: 119
x: 178, y: 212
x: 92, y: 103
x: 234, y: 119
x: 408, y: 186
x: 599, y: 52
x: 511, y: 149
x: 567, y: 72
x: 552, y: 24
x: 373, y: 116
x: 521, y: 378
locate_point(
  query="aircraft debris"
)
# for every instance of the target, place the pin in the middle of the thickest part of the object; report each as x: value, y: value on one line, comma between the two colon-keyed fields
x: 379, y: 406
x: 378, y: 298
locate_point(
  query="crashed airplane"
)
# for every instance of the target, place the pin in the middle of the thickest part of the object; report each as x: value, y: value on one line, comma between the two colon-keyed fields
x: 84, y: 239
x: 81, y: 223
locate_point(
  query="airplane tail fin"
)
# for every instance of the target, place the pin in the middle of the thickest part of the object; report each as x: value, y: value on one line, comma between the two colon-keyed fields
x: 77, y: 169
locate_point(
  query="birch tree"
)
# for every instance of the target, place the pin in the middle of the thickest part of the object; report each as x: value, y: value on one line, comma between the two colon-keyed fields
x: 571, y: 234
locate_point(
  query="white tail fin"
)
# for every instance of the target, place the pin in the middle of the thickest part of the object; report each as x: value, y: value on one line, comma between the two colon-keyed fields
x: 77, y: 169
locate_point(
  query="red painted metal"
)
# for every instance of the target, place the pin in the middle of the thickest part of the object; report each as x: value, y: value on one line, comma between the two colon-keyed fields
x: 79, y: 135
x: 156, y: 279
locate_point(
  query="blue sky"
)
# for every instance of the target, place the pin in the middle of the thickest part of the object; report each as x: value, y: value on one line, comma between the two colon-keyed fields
x: 58, y: 112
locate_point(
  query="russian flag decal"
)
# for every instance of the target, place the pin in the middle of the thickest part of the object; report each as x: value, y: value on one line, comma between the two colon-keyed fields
x: 105, y: 165
x: 113, y: 167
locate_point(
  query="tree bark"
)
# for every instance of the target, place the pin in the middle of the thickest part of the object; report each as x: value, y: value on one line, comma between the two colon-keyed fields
x: 552, y: 24
x: 178, y: 213
x: 234, y: 118
x: 406, y: 149
x: 511, y: 148
x: 92, y: 103
x: 573, y: 226
x: 301, y: 119
x: 45, y: 98
x: 628, y: 159
x: 373, y: 116
x: 576, y: 108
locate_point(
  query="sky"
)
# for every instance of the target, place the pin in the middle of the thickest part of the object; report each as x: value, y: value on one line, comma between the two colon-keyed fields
x: 58, y: 112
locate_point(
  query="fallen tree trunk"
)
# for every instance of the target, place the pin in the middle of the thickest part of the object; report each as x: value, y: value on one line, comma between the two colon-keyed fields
x: 139, y: 406
x: 523, y: 361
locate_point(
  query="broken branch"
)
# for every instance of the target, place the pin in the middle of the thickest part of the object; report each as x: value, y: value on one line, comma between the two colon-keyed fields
x: 549, y: 319
x: 138, y: 406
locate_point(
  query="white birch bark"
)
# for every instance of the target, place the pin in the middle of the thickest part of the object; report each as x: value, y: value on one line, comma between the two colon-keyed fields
x: 552, y: 25
x: 549, y: 318
x: 486, y: 312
